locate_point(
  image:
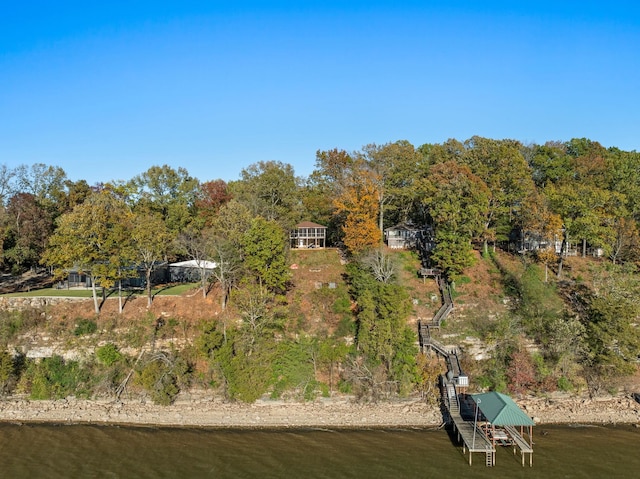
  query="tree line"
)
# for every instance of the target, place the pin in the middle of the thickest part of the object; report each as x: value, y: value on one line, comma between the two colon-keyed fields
x: 477, y: 191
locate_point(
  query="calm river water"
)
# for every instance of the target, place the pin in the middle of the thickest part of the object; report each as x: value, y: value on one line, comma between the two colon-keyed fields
x: 47, y: 451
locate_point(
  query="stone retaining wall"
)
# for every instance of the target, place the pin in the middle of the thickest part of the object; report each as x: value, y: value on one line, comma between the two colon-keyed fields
x: 36, y: 302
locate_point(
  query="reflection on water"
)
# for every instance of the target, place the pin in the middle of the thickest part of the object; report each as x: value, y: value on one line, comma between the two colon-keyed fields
x: 47, y: 451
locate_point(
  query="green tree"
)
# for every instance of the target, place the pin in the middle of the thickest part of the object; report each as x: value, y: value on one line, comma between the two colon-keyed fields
x: 623, y: 176
x: 502, y: 167
x: 7, y: 371
x: 383, y: 338
x: 332, y: 352
x: 270, y: 189
x: 611, y: 334
x: 151, y: 240
x: 171, y: 193
x: 550, y: 164
x: 458, y: 204
x: 260, y: 314
x: 265, y: 254
x: 588, y: 213
x: 394, y: 166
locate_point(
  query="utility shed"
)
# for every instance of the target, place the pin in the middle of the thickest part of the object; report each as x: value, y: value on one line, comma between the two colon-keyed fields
x: 505, y: 423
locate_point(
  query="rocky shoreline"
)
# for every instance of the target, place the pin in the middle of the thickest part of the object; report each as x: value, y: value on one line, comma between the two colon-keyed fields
x: 326, y: 413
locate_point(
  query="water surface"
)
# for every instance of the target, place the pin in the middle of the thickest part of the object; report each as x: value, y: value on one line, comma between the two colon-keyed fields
x: 73, y: 451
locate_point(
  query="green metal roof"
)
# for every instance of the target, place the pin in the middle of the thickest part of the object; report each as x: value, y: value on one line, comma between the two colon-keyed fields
x: 500, y: 410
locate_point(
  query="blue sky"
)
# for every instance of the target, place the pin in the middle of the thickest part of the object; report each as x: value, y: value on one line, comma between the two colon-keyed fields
x: 107, y: 91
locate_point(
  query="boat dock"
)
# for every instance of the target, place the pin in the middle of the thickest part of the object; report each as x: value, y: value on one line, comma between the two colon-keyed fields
x: 482, y: 421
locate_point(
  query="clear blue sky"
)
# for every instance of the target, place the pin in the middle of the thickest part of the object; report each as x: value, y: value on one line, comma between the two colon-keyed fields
x: 107, y: 89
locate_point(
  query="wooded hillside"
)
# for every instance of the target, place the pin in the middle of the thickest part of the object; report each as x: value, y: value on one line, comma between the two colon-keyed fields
x: 551, y: 228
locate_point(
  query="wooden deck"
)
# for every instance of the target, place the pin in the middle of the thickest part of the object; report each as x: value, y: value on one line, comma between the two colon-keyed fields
x: 520, y: 442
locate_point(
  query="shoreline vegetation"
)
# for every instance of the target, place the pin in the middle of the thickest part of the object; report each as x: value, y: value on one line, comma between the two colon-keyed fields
x: 200, y: 410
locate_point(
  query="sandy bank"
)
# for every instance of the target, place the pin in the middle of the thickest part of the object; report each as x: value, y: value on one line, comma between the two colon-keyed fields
x: 334, y: 413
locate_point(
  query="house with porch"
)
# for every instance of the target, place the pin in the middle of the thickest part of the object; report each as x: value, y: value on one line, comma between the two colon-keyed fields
x: 308, y: 235
x: 407, y: 236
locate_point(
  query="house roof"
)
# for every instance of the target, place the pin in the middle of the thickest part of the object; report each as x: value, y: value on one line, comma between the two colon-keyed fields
x: 309, y: 224
x: 192, y: 263
x: 500, y: 410
x: 405, y: 227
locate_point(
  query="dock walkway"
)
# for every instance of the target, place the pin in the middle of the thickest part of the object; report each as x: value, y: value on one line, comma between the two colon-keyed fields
x: 520, y: 443
x: 472, y: 437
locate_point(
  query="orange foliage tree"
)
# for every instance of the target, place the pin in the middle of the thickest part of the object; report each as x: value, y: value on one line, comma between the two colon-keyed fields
x: 359, y: 201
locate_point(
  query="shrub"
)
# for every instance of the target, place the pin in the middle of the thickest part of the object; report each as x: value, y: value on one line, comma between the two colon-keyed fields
x: 293, y: 368
x: 564, y: 384
x: 6, y: 370
x: 162, y: 375
x: 55, y: 378
x: 157, y: 379
x: 108, y: 354
x: 14, y: 323
x: 85, y: 326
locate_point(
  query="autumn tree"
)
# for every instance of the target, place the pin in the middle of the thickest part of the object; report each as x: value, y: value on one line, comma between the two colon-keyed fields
x: 212, y: 195
x: 28, y: 227
x: 76, y: 192
x: 538, y: 220
x: 521, y: 373
x: 359, y: 201
x: 92, y: 237
x: 626, y: 241
x: 326, y: 182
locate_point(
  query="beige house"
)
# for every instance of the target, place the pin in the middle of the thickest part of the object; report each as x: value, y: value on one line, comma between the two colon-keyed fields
x: 308, y: 235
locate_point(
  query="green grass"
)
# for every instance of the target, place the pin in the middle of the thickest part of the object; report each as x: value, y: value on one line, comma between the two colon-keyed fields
x: 86, y: 293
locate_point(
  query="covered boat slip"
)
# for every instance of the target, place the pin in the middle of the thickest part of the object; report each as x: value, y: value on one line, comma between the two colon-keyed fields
x: 504, y: 423
x: 480, y: 420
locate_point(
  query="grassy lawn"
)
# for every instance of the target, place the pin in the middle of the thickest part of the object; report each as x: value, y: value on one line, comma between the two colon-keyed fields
x: 86, y: 293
